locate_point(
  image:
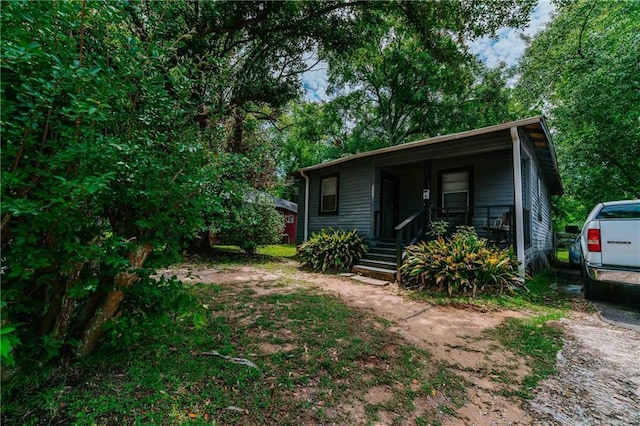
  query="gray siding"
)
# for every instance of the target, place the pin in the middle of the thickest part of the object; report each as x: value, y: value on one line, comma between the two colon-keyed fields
x: 354, y: 198
x: 541, y: 229
x: 493, y: 182
x: 540, y: 202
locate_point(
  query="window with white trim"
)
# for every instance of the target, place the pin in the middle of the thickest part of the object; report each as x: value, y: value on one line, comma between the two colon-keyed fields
x: 329, y: 194
x: 455, y: 191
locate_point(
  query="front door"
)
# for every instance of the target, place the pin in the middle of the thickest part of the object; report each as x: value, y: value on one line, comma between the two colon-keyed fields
x: 389, y: 205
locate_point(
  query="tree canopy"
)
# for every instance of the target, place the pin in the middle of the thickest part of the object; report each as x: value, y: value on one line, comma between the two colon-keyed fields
x: 583, y: 71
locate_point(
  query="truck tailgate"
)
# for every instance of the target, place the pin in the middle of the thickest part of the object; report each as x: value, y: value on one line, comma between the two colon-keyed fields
x: 620, y: 242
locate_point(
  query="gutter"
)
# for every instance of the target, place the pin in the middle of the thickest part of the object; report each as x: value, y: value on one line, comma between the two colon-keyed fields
x: 306, y: 206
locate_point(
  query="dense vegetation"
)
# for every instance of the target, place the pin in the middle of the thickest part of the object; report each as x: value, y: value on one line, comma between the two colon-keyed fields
x: 332, y: 250
x: 583, y: 71
x: 127, y: 127
x: 130, y: 127
x: 462, y: 264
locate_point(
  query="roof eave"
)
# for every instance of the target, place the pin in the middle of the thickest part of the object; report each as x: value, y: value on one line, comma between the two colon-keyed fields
x: 428, y: 141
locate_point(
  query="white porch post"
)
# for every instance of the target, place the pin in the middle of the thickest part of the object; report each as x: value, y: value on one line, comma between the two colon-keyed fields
x: 517, y: 182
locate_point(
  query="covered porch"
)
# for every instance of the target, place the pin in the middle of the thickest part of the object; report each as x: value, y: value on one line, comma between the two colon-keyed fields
x: 474, y: 191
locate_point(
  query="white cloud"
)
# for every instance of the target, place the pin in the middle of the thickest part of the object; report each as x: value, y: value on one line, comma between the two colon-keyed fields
x: 509, y: 46
x: 315, y: 81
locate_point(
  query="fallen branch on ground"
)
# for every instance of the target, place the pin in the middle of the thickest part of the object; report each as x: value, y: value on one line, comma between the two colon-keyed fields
x: 241, y: 361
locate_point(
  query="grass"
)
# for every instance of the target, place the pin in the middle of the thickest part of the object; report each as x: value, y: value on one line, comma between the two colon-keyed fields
x: 274, y: 250
x: 314, y: 356
x: 542, y: 297
x: 536, y: 342
x: 562, y: 255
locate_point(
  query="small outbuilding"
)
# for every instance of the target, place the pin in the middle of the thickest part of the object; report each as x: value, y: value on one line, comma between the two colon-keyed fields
x: 289, y: 210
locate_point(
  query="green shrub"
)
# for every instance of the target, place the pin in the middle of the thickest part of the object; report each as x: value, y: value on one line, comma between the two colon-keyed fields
x: 438, y: 228
x: 463, y: 264
x: 333, y: 250
x: 253, y: 224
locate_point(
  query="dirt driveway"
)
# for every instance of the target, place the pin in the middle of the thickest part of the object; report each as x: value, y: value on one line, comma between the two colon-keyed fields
x: 599, y: 373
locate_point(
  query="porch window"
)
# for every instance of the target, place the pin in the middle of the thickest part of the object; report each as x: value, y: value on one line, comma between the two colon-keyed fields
x: 455, y: 191
x: 329, y: 194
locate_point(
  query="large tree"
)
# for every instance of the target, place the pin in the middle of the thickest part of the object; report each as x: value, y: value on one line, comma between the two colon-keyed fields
x: 583, y: 71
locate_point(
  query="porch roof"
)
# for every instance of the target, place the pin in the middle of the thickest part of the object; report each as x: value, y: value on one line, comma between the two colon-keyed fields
x: 535, y: 128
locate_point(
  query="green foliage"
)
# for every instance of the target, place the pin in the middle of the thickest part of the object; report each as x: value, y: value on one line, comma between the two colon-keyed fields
x: 106, y: 148
x: 150, y: 303
x: 438, y: 228
x: 462, y: 264
x: 8, y: 341
x: 251, y: 224
x: 332, y: 250
x: 583, y: 71
x: 534, y: 340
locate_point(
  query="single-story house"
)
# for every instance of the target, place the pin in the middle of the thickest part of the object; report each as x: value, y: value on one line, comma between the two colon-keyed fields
x: 498, y: 179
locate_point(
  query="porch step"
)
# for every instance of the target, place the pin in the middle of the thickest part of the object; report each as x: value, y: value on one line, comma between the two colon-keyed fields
x: 377, y: 273
x: 384, y: 245
x: 381, y: 264
x: 386, y: 257
x: 382, y: 250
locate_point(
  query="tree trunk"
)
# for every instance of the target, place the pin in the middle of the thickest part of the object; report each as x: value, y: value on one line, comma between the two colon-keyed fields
x: 67, y: 305
x: 237, y: 145
x: 110, y: 304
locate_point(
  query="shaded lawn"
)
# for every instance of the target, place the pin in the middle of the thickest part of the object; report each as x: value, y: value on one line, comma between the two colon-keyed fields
x: 274, y: 250
x: 313, y: 353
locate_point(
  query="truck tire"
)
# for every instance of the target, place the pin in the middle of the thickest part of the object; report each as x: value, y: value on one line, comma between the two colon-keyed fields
x: 592, y: 289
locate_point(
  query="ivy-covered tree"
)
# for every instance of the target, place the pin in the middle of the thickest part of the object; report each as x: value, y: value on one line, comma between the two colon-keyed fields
x: 583, y: 71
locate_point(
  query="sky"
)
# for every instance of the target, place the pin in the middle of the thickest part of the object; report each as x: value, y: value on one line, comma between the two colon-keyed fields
x: 507, y: 48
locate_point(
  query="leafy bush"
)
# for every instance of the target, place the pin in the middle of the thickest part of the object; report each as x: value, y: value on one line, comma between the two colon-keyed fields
x: 332, y: 250
x: 463, y: 264
x: 253, y: 224
x: 438, y: 228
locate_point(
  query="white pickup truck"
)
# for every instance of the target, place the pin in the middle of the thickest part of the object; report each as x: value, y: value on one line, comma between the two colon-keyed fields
x: 610, y: 244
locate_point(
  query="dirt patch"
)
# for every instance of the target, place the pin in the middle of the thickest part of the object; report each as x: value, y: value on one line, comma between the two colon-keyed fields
x: 452, y: 335
x: 270, y: 348
x: 598, y: 380
x: 378, y: 395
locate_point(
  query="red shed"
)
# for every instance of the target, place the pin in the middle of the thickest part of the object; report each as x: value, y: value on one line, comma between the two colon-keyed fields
x: 290, y: 212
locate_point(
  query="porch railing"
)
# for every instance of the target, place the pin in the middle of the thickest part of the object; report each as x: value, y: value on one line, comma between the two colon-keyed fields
x: 496, y: 223
x: 409, y: 232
